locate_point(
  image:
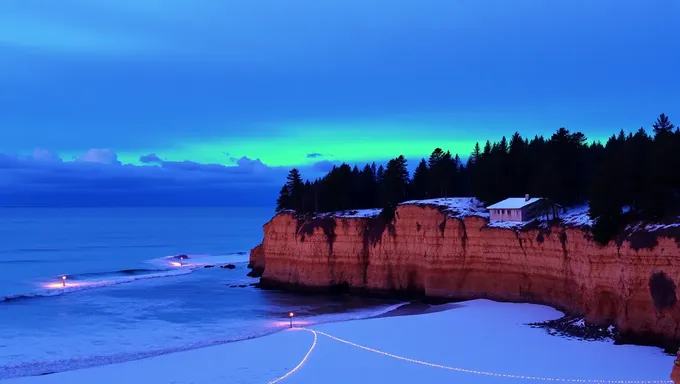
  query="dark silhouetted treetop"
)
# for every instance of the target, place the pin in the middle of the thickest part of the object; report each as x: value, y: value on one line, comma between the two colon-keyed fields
x: 633, y: 176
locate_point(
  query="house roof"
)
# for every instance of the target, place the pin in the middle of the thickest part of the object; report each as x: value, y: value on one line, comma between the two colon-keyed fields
x: 514, y: 203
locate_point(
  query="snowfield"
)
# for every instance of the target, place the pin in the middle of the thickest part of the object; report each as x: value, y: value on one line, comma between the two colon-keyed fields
x: 461, y: 207
x: 458, y: 207
x: 478, y: 341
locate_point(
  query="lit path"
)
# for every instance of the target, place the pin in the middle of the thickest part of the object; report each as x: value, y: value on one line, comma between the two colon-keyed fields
x: 304, y: 359
x: 456, y: 369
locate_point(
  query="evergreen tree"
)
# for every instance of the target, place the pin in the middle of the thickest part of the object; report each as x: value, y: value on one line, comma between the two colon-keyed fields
x: 295, y: 189
x: 663, y: 125
x: 283, y: 202
x: 663, y: 170
x: 487, y: 148
x: 395, y: 182
x: 380, y: 174
x: 474, y: 157
x: 518, y: 172
x: 633, y: 169
x: 439, y: 165
x: 368, y: 187
x: 420, y: 181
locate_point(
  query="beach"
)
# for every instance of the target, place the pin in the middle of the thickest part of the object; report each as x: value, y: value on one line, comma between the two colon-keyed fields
x: 478, y: 341
x: 125, y: 298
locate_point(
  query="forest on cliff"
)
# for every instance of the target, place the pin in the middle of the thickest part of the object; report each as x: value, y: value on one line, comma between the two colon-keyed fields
x: 632, y: 177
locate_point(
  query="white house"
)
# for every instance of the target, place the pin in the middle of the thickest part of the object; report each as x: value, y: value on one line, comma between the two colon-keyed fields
x: 520, y: 209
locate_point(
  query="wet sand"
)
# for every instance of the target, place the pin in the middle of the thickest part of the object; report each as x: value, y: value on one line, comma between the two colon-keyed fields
x: 418, y: 308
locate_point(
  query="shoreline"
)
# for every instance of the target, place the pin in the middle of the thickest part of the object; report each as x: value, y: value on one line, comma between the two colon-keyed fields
x: 447, y: 344
x: 417, y: 308
x: 402, y: 309
x: 413, y: 297
x: 44, y: 368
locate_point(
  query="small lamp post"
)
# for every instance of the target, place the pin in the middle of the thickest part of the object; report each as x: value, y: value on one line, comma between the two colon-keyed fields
x: 63, y: 280
x: 290, y: 315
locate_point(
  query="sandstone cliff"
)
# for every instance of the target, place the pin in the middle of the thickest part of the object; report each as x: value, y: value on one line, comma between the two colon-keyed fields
x: 451, y: 253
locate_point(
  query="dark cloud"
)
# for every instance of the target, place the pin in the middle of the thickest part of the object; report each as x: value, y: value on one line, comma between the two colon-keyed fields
x: 98, y: 178
x: 150, y: 158
x: 324, y: 166
x: 314, y: 155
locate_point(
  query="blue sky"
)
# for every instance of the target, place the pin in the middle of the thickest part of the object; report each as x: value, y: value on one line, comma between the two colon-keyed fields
x: 227, y: 83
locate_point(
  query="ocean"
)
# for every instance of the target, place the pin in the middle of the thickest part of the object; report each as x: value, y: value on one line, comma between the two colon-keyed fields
x: 126, y: 296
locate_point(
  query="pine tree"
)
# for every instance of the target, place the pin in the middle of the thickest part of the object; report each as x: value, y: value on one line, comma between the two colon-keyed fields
x: 663, y: 125
x: 380, y: 174
x: 367, y: 187
x: 518, y: 171
x: 487, y: 148
x: 295, y: 187
x: 395, y: 182
x: 439, y: 169
x: 420, y: 181
x: 283, y: 202
x: 633, y: 169
x: 474, y: 157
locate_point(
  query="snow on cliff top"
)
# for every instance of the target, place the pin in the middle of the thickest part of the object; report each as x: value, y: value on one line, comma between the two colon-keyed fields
x: 577, y: 216
x: 357, y: 213
x: 651, y: 227
x: 455, y: 206
x: 459, y: 207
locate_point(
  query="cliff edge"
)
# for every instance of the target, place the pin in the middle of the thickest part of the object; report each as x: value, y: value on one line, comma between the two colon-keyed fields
x: 446, y: 248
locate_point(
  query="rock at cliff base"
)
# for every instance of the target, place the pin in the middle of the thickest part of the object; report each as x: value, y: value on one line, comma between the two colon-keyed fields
x: 576, y: 328
x: 256, y: 272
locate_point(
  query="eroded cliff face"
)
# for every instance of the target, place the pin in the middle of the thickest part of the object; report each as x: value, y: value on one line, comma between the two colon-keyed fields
x: 424, y: 251
x: 256, y: 263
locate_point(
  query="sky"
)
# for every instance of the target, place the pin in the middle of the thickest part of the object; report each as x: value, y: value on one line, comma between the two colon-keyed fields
x: 173, y: 102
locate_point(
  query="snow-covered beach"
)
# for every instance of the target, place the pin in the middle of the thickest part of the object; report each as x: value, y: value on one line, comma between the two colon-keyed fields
x: 478, y: 341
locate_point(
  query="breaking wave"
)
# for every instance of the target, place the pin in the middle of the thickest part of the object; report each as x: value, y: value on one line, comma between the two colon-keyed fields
x: 169, y: 266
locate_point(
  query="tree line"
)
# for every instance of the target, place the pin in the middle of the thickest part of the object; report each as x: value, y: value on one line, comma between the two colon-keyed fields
x: 633, y: 176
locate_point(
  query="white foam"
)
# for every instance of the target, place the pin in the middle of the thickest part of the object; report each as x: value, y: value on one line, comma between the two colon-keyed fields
x: 201, y: 336
x: 58, y: 287
x: 166, y: 268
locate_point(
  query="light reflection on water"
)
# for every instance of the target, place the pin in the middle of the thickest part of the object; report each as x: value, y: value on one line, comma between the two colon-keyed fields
x: 149, y: 317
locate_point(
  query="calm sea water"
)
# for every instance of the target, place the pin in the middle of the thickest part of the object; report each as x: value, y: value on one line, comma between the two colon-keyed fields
x: 125, y: 297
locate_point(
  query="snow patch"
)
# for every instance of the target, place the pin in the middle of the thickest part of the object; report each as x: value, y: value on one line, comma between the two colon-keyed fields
x: 656, y: 227
x: 457, y: 207
x: 577, y: 216
x: 357, y: 213
x: 508, y: 224
x: 651, y: 227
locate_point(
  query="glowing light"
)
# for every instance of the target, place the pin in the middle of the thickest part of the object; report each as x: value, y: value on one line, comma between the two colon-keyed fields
x: 285, y: 324
x: 291, y: 314
x: 482, y: 373
x: 175, y: 264
x: 63, y: 277
x: 304, y: 359
x: 63, y: 284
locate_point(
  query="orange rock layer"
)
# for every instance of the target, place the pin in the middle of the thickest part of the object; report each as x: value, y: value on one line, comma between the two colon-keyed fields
x: 424, y: 251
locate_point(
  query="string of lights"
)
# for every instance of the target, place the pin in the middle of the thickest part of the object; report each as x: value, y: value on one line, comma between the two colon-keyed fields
x: 304, y: 359
x: 463, y: 370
